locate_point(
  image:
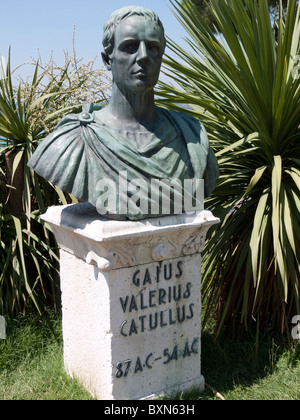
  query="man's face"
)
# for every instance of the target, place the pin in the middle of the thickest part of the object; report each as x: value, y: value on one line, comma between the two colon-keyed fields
x: 138, y: 49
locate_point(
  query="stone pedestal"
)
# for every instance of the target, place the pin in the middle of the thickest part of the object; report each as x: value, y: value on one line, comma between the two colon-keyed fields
x: 131, y: 298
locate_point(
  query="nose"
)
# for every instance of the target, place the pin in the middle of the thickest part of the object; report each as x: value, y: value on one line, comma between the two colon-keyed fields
x: 142, y: 52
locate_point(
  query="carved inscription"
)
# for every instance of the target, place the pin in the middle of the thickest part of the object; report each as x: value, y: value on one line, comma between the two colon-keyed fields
x: 166, y: 356
x: 163, y: 298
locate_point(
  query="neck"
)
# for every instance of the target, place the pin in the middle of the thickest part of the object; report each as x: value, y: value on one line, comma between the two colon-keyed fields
x: 132, y: 108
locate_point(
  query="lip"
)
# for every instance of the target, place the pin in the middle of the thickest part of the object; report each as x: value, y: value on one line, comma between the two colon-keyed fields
x: 141, y: 72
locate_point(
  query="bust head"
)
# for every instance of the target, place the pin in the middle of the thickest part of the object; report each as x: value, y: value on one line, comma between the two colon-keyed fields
x: 130, y: 139
x: 119, y: 15
x: 134, y: 43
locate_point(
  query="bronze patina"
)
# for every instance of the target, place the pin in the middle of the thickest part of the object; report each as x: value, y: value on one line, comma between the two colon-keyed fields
x: 131, y: 135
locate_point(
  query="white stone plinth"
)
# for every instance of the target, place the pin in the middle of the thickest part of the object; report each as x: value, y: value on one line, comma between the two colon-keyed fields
x: 131, y: 301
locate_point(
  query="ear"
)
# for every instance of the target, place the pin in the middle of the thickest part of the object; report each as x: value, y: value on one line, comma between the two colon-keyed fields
x: 106, y: 60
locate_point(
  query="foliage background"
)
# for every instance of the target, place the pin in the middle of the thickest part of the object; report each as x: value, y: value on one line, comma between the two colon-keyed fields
x: 203, y: 6
x: 29, y: 110
x: 240, y: 81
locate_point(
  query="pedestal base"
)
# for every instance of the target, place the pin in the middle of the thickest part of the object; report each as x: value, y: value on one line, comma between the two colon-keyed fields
x: 131, y: 298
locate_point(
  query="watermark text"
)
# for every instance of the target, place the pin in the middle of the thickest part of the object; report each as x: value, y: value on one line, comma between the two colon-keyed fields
x: 2, y: 328
x: 144, y: 197
x: 296, y: 328
x: 2, y: 67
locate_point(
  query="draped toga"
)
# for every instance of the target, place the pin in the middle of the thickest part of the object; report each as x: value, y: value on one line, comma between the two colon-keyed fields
x: 83, y: 151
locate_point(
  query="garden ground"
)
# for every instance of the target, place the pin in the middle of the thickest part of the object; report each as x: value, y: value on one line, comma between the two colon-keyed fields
x: 31, y: 366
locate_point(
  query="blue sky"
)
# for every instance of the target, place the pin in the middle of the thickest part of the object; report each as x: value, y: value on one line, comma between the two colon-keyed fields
x: 31, y: 25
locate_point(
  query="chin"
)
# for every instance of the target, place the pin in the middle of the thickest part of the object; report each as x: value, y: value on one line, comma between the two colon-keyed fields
x: 145, y: 84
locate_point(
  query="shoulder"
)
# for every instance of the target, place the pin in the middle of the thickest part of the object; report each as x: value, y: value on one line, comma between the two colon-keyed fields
x: 84, y: 117
x: 67, y: 138
x: 191, y: 127
x: 181, y: 117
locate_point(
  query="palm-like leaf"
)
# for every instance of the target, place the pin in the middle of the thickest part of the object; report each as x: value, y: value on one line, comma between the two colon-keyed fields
x: 28, y: 251
x: 242, y: 85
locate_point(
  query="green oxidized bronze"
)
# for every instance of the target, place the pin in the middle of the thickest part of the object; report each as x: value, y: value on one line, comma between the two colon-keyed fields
x: 130, y: 135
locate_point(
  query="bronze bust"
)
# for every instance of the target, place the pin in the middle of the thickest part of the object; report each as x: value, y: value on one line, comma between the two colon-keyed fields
x: 131, y: 138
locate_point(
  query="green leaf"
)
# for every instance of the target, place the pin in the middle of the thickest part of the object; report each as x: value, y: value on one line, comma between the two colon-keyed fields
x: 258, y: 233
x: 239, y: 83
x: 38, y: 102
x: 17, y: 160
x: 288, y: 224
x: 18, y: 227
x: 276, y: 188
x: 255, y: 179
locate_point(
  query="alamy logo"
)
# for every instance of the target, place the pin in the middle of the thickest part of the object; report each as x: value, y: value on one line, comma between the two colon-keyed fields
x: 153, y: 197
x: 2, y: 328
x: 296, y: 329
x: 2, y: 67
x: 296, y: 68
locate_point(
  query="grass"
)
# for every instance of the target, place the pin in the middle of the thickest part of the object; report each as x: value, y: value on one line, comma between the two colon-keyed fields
x: 31, y: 362
x: 31, y: 366
x: 235, y: 368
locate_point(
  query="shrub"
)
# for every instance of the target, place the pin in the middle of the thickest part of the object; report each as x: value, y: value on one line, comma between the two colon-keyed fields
x: 28, y: 111
x: 244, y: 86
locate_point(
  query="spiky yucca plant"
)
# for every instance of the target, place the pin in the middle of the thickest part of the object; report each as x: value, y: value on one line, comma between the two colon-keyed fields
x: 243, y: 82
x: 28, y: 111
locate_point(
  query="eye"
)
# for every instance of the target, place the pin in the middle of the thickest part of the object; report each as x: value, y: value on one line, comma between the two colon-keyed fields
x: 154, y: 49
x: 130, y: 47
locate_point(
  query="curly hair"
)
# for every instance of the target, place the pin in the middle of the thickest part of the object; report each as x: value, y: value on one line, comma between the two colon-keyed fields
x: 125, y: 12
